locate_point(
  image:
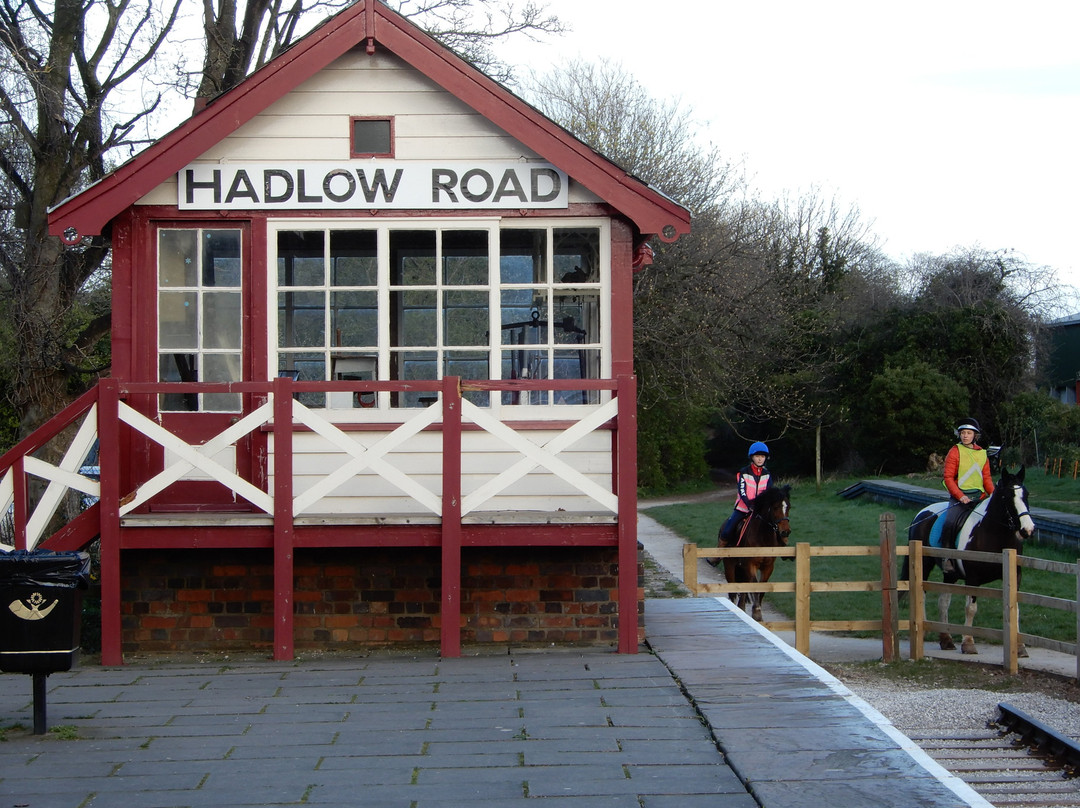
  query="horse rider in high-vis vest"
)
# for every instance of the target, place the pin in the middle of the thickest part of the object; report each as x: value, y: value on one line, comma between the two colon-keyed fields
x: 967, y: 468
x: 968, y: 480
x: 752, y: 480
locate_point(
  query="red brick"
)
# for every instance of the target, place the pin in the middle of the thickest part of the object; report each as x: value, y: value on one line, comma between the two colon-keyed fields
x: 523, y: 595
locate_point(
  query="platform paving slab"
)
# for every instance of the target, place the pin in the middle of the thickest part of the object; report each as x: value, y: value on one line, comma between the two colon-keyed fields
x: 573, y: 726
x: 792, y: 733
x: 680, y: 726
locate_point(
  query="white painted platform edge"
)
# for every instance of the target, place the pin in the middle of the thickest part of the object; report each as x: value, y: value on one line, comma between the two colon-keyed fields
x: 950, y: 781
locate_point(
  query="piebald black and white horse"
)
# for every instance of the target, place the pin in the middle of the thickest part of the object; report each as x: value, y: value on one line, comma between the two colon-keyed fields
x: 998, y: 523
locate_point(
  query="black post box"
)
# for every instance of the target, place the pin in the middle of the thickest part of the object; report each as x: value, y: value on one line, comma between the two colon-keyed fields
x: 41, y: 609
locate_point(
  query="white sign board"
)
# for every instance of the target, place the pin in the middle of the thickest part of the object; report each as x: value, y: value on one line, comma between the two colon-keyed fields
x: 371, y: 184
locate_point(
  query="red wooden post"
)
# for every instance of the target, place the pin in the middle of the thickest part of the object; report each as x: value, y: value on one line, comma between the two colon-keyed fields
x: 626, y: 482
x: 450, y: 611
x: 108, y: 429
x: 625, y: 449
x: 21, y: 506
x: 283, y: 519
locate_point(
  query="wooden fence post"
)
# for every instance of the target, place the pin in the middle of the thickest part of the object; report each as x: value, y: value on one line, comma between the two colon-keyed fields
x: 1010, y: 611
x: 890, y: 620
x: 916, y: 600
x: 802, y: 597
x: 689, y: 566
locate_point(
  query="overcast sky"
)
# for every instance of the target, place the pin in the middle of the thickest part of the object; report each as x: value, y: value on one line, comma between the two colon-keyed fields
x: 949, y: 123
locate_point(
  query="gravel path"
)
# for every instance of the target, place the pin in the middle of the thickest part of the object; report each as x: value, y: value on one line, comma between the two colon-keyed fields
x: 952, y: 708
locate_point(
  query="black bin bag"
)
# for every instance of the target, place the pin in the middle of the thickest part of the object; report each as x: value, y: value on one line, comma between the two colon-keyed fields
x: 41, y: 609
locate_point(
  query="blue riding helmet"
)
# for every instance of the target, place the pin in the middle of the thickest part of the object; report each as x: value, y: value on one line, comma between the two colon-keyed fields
x: 758, y: 448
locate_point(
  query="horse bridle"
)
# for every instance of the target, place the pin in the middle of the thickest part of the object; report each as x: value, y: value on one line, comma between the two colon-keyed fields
x: 1011, y: 521
x: 1014, y: 521
x: 775, y: 525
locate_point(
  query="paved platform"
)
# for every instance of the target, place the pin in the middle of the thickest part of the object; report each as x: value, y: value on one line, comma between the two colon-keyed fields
x: 795, y: 735
x: 552, y: 728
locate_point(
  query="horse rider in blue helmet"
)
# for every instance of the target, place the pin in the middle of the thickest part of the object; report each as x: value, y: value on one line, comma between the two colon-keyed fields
x: 752, y: 480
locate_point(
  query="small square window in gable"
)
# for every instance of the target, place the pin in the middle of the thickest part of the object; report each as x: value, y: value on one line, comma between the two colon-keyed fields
x: 372, y: 137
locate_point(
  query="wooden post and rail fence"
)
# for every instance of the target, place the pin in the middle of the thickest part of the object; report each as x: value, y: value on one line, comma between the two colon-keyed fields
x: 890, y: 625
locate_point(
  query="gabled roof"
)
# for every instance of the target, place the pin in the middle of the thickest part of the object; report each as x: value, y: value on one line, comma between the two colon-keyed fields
x: 89, y: 211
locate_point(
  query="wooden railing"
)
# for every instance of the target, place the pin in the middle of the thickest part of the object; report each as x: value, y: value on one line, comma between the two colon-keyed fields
x: 890, y: 625
x: 104, y: 414
x: 33, y: 488
x: 804, y: 586
x: 1009, y: 635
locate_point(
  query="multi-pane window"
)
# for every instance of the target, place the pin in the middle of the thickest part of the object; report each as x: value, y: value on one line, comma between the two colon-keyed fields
x: 549, y: 296
x: 409, y: 302
x: 199, y: 315
x: 439, y: 307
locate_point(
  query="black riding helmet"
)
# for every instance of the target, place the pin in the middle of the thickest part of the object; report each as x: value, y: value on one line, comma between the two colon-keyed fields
x: 968, y: 423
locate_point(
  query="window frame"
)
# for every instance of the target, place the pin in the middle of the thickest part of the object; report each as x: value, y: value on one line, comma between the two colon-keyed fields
x: 386, y: 405
x: 354, y: 153
x: 200, y: 291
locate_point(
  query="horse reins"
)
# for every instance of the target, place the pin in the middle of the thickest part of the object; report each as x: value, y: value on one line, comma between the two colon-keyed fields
x: 1013, y: 521
x: 774, y: 526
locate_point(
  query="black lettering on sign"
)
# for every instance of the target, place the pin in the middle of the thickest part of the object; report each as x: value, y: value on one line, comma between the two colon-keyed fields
x: 214, y: 184
x: 269, y: 175
x: 379, y: 185
x: 443, y: 179
x: 552, y: 180
x: 241, y: 188
x: 328, y: 190
x: 510, y: 185
x: 301, y: 188
x: 485, y: 178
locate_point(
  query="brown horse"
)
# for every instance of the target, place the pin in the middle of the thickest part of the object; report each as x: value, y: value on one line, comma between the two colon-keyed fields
x: 766, y: 526
x: 998, y: 523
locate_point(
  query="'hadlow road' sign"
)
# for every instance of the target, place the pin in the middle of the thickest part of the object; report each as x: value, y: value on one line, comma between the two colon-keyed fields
x: 373, y: 184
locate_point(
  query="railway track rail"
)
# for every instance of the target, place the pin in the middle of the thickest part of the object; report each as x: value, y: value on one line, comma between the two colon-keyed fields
x: 1016, y: 762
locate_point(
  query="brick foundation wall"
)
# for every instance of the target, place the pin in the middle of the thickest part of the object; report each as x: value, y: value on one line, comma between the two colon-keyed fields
x: 222, y: 600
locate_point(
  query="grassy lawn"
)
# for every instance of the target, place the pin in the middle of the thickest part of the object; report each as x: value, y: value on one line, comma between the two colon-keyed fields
x: 823, y: 518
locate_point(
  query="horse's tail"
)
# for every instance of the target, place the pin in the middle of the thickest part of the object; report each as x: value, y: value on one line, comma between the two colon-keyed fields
x: 923, y: 517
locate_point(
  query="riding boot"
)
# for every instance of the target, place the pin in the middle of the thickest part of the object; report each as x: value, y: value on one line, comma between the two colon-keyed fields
x: 721, y: 543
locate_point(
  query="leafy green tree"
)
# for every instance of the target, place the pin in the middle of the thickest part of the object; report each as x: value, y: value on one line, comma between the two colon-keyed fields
x: 1034, y: 426
x: 906, y: 413
x: 973, y: 316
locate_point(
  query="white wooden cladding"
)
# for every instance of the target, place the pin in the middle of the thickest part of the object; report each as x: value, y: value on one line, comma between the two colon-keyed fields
x: 313, y: 120
x: 429, y: 123
x: 400, y: 471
